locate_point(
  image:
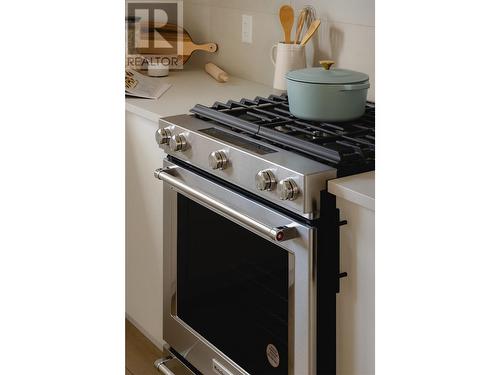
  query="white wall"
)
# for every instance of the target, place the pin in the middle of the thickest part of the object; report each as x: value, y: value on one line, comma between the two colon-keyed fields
x: 346, y: 34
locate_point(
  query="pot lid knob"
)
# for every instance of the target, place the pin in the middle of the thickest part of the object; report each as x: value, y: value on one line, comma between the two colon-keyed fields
x: 326, y: 64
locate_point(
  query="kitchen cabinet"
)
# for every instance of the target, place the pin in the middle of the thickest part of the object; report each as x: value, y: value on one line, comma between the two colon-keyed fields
x: 144, y: 238
x: 356, y: 300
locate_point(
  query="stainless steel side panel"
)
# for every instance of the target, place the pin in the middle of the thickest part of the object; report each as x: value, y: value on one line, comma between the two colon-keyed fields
x: 302, y: 289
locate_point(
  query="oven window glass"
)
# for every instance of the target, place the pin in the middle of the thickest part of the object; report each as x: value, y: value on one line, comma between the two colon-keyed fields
x: 232, y: 288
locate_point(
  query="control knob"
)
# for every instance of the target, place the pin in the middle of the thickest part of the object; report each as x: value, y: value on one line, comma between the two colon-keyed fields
x: 288, y: 189
x: 163, y: 135
x: 177, y: 143
x: 218, y: 160
x: 265, y: 180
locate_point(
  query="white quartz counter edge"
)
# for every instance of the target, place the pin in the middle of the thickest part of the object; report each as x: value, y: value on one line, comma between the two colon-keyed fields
x: 359, y: 189
x: 194, y: 86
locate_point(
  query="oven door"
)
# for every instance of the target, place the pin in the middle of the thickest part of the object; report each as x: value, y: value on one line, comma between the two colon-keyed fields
x: 239, y: 280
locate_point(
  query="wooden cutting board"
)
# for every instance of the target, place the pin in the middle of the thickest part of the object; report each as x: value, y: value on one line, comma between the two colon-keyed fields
x: 169, y: 34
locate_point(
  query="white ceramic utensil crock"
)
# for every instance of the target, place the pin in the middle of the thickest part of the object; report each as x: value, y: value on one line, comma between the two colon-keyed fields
x: 288, y: 57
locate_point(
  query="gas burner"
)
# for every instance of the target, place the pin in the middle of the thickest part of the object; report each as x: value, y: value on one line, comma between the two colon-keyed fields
x: 316, y: 134
x: 283, y: 129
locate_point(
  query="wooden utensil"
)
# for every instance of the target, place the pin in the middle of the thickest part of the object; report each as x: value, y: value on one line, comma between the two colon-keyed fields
x: 300, y: 24
x: 169, y: 33
x: 217, y: 73
x: 310, y: 32
x: 286, y: 18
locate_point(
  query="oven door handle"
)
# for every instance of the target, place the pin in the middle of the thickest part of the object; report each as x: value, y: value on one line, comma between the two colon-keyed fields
x: 278, y: 234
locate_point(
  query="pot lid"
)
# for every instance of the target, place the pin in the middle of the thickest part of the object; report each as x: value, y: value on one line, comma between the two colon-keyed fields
x: 326, y: 75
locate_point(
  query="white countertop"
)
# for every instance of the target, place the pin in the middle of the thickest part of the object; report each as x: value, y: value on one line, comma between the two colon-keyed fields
x: 359, y: 189
x: 194, y: 86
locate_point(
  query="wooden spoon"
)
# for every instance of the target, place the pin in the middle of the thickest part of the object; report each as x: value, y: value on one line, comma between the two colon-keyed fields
x: 300, y: 24
x: 286, y: 18
x: 310, y: 32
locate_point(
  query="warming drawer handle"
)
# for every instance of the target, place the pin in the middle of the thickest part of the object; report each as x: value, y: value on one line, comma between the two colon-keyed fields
x: 274, y: 233
x: 161, y: 367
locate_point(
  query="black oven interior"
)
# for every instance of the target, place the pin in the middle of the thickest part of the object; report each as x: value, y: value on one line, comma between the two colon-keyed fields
x: 232, y: 288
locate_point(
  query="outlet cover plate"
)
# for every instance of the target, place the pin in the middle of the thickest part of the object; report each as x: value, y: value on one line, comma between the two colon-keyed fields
x: 246, y: 28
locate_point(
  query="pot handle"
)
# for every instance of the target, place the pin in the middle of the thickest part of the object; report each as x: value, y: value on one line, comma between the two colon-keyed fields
x: 355, y: 87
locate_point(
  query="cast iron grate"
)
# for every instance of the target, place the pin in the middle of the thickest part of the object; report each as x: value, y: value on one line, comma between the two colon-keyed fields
x: 349, y: 146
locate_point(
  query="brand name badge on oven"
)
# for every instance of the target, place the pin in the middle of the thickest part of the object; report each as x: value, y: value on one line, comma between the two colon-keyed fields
x: 273, y: 356
x: 219, y: 369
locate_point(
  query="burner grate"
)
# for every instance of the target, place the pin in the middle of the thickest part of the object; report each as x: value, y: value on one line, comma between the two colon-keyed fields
x: 349, y: 146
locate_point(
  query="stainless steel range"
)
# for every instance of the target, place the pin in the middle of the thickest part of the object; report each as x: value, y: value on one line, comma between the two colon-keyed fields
x: 251, y: 236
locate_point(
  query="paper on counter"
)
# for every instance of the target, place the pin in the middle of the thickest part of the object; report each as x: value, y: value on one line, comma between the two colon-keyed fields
x: 142, y: 86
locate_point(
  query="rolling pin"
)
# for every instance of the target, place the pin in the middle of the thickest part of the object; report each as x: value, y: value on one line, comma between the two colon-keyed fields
x: 216, y: 72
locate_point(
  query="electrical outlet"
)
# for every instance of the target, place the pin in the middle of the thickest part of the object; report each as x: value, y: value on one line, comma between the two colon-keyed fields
x: 246, y: 28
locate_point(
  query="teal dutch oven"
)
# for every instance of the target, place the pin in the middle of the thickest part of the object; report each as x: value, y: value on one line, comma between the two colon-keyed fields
x: 327, y: 94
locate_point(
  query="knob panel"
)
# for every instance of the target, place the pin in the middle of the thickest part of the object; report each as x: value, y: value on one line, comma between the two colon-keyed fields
x: 163, y: 136
x: 177, y: 143
x: 288, y: 189
x: 218, y: 160
x: 265, y: 180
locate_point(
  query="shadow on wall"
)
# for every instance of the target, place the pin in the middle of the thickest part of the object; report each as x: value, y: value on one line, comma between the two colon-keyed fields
x: 336, y: 42
x: 330, y: 49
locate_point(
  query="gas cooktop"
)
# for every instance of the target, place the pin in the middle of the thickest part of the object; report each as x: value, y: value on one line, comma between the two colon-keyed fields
x: 347, y: 146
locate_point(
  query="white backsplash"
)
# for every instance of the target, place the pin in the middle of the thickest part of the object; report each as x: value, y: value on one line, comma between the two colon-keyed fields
x: 346, y: 35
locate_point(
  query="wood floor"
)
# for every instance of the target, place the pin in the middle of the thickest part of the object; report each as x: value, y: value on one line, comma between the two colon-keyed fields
x: 140, y: 353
